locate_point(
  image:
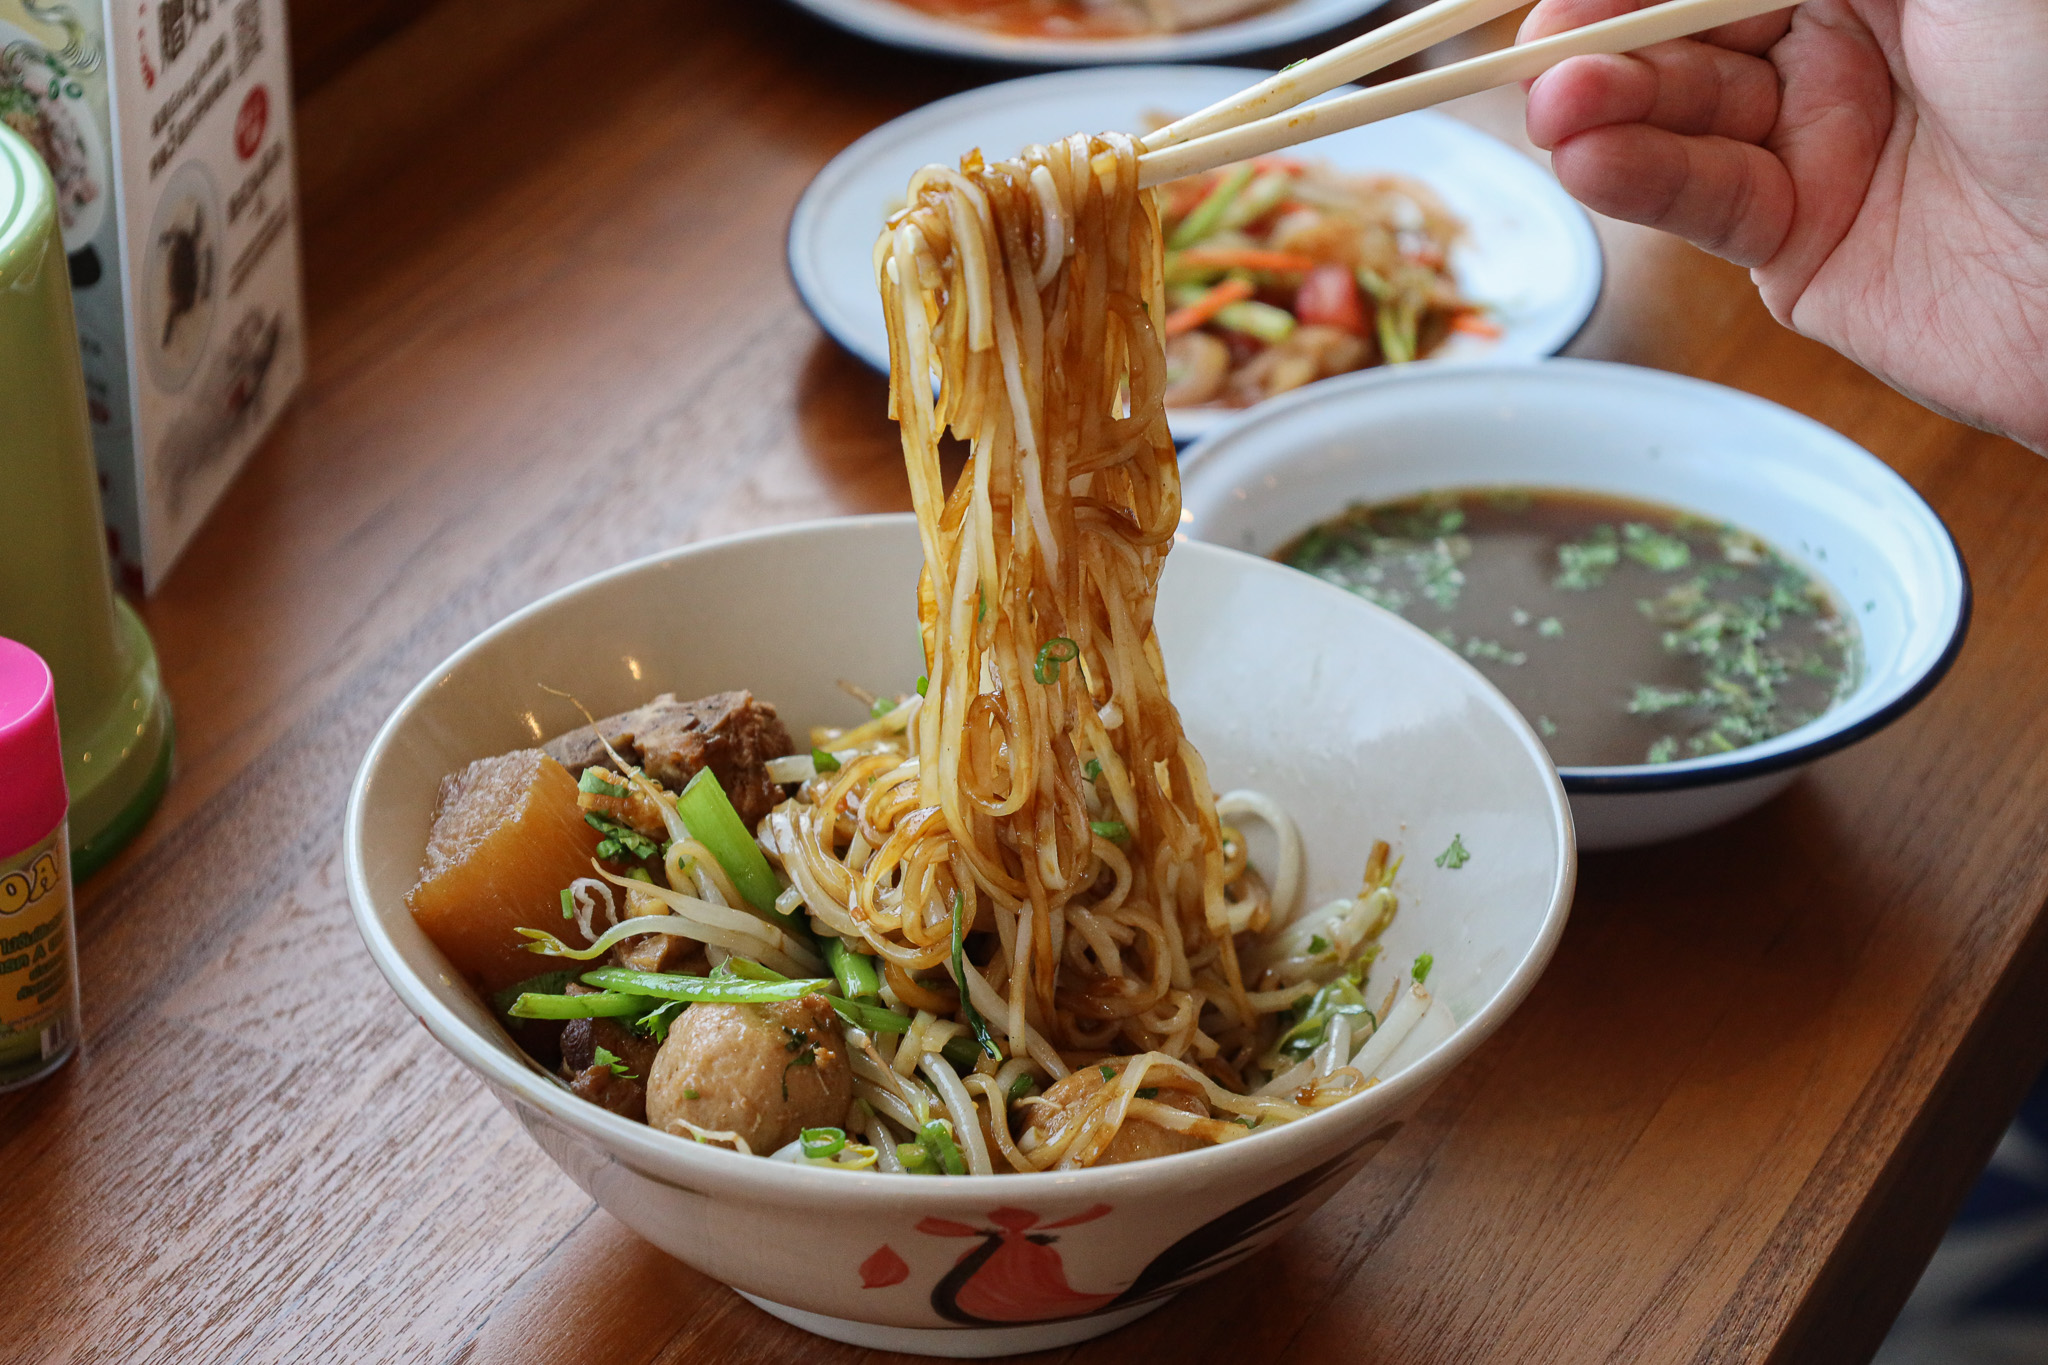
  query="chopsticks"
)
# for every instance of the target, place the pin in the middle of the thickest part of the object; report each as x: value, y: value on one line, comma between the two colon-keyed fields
x: 1363, y: 55
x: 1232, y: 131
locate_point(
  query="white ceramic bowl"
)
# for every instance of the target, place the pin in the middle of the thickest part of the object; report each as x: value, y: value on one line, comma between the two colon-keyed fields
x: 1359, y: 723
x: 901, y: 26
x: 1818, y: 497
x: 1529, y: 253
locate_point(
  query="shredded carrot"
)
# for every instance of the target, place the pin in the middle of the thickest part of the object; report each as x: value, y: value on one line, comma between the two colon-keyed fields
x: 1188, y: 318
x: 1470, y: 323
x: 1244, y: 258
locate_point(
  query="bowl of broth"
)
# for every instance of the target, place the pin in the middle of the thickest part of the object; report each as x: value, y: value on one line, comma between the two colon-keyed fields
x: 1690, y: 593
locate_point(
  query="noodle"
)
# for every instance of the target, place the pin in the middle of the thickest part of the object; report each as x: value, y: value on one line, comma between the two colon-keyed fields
x: 1024, y: 303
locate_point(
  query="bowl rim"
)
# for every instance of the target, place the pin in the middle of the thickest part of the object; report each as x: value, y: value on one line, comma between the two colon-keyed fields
x: 647, y: 1150
x: 912, y: 30
x: 1830, y: 731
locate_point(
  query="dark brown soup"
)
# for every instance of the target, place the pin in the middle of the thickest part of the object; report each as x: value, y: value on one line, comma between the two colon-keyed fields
x: 1626, y: 632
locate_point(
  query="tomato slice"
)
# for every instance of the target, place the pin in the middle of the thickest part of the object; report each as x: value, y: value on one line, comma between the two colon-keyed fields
x: 1328, y: 297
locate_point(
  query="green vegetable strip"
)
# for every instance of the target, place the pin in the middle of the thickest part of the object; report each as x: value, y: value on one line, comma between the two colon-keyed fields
x: 730, y: 990
x: 1260, y: 197
x: 960, y: 1051
x: 855, y: 971
x: 748, y: 968
x: 1259, y: 320
x: 546, y: 983
x: 1021, y: 1087
x: 1204, y: 217
x: 823, y: 761
x: 1341, y: 996
x: 873, y: 1018
x: 974, y: 1019
x: 608, y: 1006
x: 713, y: 823
x: 1112, y: 830
x: 936, y: 1137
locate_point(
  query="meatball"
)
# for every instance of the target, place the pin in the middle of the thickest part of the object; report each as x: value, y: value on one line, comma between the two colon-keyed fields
x: 762, y: 1071
x: 1138, y: 1139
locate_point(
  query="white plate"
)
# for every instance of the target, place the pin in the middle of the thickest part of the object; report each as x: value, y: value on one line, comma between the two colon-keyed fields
x: 63, y: 101
x: 1530, y: 255
x: 885, y: 21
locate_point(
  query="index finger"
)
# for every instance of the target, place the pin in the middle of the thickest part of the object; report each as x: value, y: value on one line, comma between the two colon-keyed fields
x: 1754, y: 36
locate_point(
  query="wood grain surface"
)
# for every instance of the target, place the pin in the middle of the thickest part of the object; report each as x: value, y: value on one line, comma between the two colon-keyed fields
x: 551, y: 329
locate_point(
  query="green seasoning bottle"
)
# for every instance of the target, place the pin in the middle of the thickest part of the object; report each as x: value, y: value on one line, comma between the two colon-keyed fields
x: 38, y: 979
x: 55, y: 592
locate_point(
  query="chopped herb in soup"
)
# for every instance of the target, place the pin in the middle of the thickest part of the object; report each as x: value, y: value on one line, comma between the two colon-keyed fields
x: 1627, y: 632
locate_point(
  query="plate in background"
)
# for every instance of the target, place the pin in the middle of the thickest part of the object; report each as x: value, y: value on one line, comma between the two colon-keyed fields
x: 1530, y: 254
x: 899, y: 25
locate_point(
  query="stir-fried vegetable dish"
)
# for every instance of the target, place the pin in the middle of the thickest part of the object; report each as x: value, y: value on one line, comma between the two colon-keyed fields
x: 1280, y: 272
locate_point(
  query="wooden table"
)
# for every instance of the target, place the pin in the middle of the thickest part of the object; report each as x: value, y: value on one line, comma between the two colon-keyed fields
x: 551, y: 330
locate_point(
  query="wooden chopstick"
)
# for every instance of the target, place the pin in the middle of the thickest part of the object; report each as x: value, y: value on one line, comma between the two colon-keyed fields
x: 1361, y: 56
x: 1658, y: 24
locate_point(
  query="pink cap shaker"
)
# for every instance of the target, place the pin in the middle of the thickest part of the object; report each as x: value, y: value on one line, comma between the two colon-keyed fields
x: 32, y: 795
x: 38, y: 949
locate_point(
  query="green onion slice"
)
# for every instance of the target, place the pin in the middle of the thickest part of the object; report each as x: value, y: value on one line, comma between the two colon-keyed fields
x: 936, y: 1137
x: 715, y: 824
x: 823, y: 761
x: 821, y: 1144
x: 1056, y: 651
x: 1112, y: 830
x: 855, y: 971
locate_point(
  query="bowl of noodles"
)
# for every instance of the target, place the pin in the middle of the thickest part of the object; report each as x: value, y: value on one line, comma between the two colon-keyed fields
x: 1355, y: 724
x: 992, y: 1013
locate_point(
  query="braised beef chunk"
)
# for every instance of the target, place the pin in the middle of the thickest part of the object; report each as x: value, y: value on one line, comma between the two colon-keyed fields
x: 729, y: 732
x: 669, y: 953
x: 624, y: 1095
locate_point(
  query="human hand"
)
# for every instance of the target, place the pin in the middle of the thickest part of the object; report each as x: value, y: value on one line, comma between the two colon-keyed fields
x: 1881, y: 166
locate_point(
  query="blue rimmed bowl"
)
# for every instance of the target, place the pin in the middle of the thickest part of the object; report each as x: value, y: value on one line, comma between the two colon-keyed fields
x: 1823, y: 500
